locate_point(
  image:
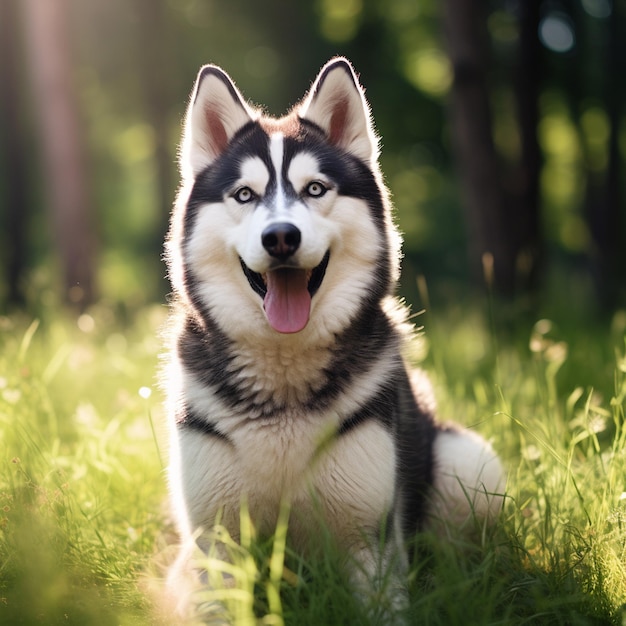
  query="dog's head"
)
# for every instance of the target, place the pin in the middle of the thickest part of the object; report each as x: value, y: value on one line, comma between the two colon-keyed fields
x: 281, y: 225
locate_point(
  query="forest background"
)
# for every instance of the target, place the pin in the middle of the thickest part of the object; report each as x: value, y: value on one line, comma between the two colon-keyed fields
x: 503, y: 136
x: 503, y: 143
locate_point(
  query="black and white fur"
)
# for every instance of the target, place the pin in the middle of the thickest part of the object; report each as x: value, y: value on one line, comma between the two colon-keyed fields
x: 308, y: 398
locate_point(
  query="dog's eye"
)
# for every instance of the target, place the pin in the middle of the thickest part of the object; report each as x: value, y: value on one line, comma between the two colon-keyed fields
x: 315, y: 189
x: 243, y: 195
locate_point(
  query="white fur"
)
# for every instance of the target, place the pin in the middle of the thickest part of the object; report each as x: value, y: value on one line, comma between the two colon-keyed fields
x: 277, y: 150
x: 254, y: 174
x: 295, y: 456
x: 469, y: 480
x: 304, y: 169
x: 226, y: 231
x: 272, y: 450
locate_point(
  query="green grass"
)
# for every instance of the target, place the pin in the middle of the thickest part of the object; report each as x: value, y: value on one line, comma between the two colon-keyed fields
x: 81, y: 485
x: 83, y: 521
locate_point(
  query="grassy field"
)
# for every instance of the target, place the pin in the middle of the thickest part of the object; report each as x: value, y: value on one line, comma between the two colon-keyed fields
x: 83, y: 521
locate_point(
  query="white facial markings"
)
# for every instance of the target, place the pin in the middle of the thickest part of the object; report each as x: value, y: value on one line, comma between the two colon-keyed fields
x: 303, y: 169
x: 277, y: 152
x: 306, y: 212
x: 254, y: 174
x: 247, y: 237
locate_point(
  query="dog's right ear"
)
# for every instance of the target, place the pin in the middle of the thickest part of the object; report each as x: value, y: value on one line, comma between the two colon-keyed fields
x: 216, y: 112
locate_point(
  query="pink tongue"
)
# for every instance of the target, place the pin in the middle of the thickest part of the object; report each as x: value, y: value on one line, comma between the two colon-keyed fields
x: 287, y: 302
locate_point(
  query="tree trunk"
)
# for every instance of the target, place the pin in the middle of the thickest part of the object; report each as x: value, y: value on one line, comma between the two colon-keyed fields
x: 477, y: 165
x: 15, y: 195
x: 603, y: 208
x: 526, y: 222
x: 65, y: 173
x: 156, y: 68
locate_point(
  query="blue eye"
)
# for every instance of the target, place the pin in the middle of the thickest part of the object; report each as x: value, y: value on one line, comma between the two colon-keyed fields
x: 315, y: 189
x: 243, y: 195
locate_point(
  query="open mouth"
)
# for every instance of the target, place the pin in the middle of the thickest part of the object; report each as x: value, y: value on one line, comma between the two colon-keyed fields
x: 287, y: 293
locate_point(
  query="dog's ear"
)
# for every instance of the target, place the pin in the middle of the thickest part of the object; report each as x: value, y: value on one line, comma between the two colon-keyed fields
x: 336, y: 103
x: 216, y: 112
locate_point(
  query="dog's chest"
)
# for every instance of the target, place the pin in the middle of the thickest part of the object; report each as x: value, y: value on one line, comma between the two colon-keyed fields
x: 281, y: 381
x: 275, y: 456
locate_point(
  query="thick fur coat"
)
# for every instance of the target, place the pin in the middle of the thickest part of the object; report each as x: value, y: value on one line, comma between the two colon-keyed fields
x: 286, y: 380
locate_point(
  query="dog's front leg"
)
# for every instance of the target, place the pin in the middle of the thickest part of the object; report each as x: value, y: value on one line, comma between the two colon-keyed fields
x: 378, y: 573
x: 191, y: 582
x: 354, y: 482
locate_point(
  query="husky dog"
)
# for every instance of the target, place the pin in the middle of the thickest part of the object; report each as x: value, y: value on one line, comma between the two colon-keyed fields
x: 286, y: 379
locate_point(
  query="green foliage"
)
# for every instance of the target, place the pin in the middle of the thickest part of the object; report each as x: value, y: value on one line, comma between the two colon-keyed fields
x: 82, y: 491
x: 564, y: 446
x: 132, y: 96
x: 80, y: 484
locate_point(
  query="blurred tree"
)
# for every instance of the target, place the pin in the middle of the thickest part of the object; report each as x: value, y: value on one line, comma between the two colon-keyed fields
x: 525, y: 218
x: 502, y: 220
x: 604, y: 202
x: 528, y: 99
x: 63, y: 149
x: 471, y: 120
x: 156, y: 69
x: 14, y: 184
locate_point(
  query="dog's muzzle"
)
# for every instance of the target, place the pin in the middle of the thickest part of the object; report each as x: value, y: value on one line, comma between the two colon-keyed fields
x: 286, y: 291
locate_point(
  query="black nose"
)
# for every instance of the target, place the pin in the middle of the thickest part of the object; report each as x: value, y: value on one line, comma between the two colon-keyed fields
x: 281, y: 240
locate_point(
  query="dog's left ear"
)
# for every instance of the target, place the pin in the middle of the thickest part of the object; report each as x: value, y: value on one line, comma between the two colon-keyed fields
x: 336, y: 103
